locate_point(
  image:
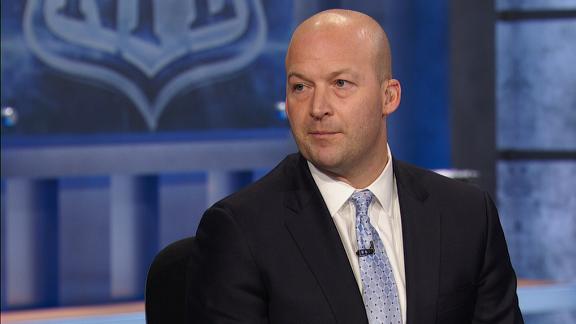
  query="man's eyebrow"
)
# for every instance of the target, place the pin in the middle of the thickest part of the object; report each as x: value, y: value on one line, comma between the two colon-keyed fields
x: 297, y: 75
x: 331, y: 75
x: 343, y: 71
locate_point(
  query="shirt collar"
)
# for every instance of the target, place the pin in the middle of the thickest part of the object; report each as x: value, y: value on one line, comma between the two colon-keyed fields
x: 336, y: 193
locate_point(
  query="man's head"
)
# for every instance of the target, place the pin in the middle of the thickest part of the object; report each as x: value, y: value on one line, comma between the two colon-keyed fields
x: 339, y: 92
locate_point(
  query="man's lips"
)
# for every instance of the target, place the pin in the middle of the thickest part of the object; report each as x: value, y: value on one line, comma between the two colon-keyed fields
x: 323, y: 133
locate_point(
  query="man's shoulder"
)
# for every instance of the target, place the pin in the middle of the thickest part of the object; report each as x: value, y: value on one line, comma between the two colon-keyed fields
x: 425, y: 182
x: 462, y: 205
x: 272, y: 185
x: 257, y: 210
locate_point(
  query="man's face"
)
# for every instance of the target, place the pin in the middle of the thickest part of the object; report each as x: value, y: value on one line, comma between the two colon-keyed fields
x: 334, y: 100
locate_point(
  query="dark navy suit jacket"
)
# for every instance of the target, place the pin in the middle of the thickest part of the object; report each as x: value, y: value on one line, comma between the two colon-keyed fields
x: 271, y: 253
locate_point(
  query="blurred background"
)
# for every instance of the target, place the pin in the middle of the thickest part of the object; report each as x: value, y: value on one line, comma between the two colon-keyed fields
x: 123, y: 120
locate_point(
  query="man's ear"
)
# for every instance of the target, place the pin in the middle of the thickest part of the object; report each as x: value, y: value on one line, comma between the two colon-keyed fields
x: 392, y: 93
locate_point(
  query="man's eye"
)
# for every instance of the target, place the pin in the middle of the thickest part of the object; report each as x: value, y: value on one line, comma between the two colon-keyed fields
x: 298, y: 87
x: 341, y: 83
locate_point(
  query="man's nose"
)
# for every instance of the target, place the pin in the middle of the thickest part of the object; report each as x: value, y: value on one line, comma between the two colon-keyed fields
x: 320, y: 104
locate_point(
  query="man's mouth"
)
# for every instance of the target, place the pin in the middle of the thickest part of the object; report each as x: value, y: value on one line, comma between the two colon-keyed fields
x: 322, y: 134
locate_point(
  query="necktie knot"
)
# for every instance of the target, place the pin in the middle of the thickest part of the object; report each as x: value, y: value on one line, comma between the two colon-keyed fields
x: 362, y: 200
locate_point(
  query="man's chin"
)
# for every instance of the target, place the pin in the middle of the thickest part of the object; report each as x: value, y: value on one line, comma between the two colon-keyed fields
x: 325, y: 158
x: 325, y: 164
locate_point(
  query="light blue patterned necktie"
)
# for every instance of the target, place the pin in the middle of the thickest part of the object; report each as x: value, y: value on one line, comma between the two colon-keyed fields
x: 378, y: 285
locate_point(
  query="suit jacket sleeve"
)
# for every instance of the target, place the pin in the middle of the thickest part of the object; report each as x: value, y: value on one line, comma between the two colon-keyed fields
x: 496, y: 301
x: 231, y: 289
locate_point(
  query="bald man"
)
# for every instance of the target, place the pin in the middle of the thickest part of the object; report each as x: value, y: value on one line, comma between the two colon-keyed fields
x: 341, y: 232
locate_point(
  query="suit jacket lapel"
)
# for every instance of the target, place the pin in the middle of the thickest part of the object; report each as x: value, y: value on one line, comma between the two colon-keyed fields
x: 421, y: 235
x: 313, y: 230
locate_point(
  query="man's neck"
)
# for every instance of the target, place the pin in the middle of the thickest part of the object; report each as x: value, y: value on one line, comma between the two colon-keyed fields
x: 362, y: 176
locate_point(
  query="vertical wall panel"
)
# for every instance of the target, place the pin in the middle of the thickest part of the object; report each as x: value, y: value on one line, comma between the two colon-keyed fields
x: 538, y: 211
x: 84, y: 240
x: 183, y: 199
x: 472, y: 122
x: 133, y: 233
x: 537, y: 203
x: 30, y: 243
x: 536, y: 85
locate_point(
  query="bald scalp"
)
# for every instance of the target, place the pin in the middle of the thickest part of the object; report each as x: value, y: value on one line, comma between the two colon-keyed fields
x: 365, y: 27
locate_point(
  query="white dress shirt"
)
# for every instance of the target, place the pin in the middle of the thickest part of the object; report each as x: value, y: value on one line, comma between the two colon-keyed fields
x: 384, y: 213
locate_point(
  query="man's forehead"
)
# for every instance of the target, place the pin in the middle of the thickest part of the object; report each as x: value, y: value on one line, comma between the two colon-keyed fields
x: 328, y: 35
x: 330, y: 45
x: 338, y: 53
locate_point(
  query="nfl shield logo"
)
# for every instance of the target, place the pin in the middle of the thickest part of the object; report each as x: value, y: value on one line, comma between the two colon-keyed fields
x: 150, y: 50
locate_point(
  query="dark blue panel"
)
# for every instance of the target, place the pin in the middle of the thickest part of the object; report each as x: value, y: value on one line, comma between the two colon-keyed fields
x: 84, y: 239
x: 30, y: 243
x: 183, y: 200
x: 419, y: 130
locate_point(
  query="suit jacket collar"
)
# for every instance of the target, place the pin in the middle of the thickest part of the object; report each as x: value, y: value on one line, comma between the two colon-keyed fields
x: 312, y: 228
